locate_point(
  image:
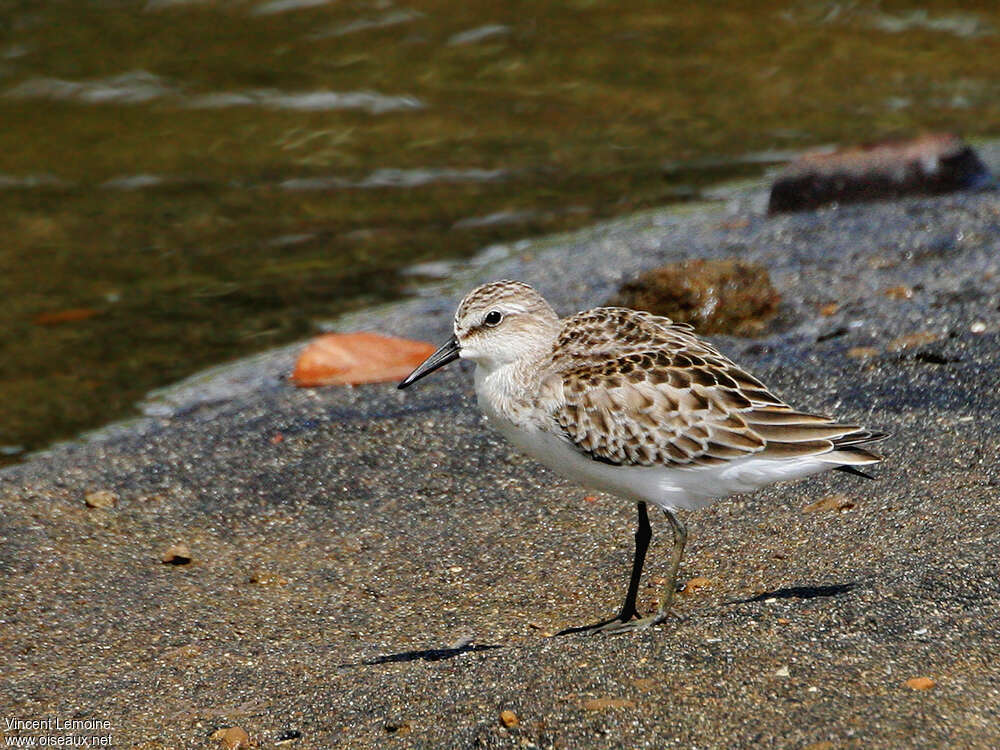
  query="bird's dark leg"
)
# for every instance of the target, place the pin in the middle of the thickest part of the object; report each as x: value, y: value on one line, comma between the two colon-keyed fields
x: 643, y: 533
x: 680, y: 539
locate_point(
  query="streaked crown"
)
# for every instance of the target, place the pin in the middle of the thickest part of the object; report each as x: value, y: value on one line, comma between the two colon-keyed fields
x: 504, y: 320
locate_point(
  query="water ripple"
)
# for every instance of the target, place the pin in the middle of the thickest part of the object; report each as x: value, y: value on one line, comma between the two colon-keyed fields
x: 308, y: 101
x: 133, y: 87
x: 141, y: 87
x: 284, y: 6
x: 397, y: 178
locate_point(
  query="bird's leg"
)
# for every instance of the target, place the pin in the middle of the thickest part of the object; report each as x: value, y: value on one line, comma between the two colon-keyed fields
x: 680, y: 539
x: 643, y: 533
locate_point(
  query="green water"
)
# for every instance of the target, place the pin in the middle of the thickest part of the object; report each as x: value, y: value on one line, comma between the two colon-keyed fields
x: 549, y: 115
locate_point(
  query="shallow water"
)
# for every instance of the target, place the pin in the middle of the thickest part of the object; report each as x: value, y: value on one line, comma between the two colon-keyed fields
x: 186, y: 181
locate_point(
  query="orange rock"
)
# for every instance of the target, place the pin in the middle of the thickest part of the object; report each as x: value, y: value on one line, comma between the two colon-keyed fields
x: 901, y: 291
x: 920, y: 683
x: 830, y: 502
x: 509, y: 718
x: 232, y: 738
x: 912, y: 340
x: 829, y: 309
x: 862, y: 352
x: 353, y: 358
x: 694, y: 584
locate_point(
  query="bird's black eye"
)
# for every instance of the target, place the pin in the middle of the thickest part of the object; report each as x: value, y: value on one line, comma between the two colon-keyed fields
x: 493, y: 318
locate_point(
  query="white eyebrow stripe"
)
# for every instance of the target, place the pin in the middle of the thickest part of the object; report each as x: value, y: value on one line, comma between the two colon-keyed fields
x: 513, y: 308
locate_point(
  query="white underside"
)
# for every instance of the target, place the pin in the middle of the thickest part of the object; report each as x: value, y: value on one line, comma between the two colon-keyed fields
x: 666, y: 487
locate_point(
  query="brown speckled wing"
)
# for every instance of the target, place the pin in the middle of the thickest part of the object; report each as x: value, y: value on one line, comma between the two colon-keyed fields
x: 638, y: 389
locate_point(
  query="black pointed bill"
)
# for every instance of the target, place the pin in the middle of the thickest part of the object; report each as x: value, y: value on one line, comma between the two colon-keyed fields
x: 447, y: 353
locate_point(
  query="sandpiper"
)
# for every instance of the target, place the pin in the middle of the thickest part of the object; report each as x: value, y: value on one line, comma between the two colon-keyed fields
x: 638, y: 406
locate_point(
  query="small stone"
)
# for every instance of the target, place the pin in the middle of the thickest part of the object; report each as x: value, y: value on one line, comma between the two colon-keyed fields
x: 232, y: 738
x: 101, y: 499
x: 289, y: 735
x: 836, y: 502
x: 178, y: 554
x: 920, y: 683
x: 912, y: 340
x: 829, y: 309
x: 694, y: 584
x: 509, y: 719
x: 267, y: 578
x: 783, y: 672
x: 398, y: 728
x: 900, y: 291
x: 783, y: 621
x: 600, y: 704
x: 862, y: 352
x: 978, y: 327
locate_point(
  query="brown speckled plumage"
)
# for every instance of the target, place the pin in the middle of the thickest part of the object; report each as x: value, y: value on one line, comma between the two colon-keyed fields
x: 641, y: 390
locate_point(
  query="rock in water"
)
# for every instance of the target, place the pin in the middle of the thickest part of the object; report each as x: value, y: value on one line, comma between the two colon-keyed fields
x: 927, y: 165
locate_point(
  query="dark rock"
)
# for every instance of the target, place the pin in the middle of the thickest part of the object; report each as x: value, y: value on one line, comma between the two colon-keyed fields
x: 927, y: 165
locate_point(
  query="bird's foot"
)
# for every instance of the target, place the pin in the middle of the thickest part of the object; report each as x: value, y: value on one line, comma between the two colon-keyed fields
x: 624, y: 622
x: 642, y: 623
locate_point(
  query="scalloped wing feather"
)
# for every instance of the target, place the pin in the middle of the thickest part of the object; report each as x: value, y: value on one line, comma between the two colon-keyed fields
x: 637, y: 389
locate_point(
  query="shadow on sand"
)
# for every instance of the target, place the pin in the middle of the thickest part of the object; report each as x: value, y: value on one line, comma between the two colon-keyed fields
x: 431, y: 654
x: 800, y: 592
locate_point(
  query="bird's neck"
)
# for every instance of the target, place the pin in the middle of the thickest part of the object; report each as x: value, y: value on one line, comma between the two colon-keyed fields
x: 509, y: 390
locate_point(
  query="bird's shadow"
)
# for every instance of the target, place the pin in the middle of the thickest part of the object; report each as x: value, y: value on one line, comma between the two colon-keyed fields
x: 800, y: 592
x: 430, y: 654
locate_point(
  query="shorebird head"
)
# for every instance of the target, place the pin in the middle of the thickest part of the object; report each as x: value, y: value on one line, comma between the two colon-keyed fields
x: 496, y: 324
